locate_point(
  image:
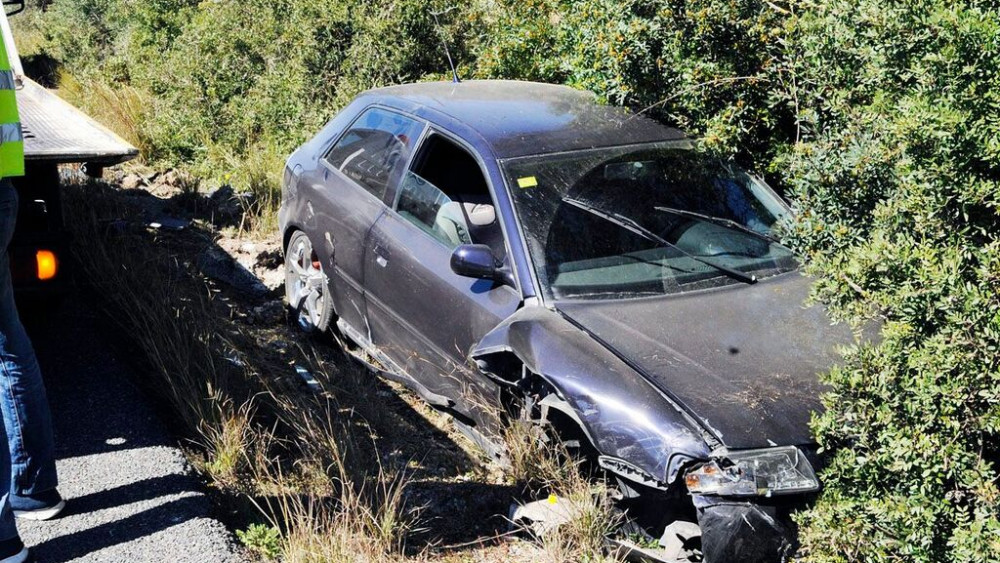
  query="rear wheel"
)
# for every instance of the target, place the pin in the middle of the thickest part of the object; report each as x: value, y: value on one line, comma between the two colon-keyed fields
x: 306, y: 286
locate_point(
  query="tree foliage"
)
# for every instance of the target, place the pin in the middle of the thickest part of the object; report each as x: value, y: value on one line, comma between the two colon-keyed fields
x: 880, y: 119
x: 898, y: 189
x: 229, y: 78
x: 714, y: 68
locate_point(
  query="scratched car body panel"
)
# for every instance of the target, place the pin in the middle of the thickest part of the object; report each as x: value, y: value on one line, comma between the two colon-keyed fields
x: 495, y: 244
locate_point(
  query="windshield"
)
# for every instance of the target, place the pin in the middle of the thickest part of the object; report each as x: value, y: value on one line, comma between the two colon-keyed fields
x: 644, y: 220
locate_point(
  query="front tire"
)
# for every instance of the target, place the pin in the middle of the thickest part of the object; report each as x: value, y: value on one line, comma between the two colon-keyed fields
x: 306, y: 285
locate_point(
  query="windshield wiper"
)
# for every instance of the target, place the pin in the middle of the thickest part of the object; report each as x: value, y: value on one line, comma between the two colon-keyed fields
x: 631, y: 226
x: 717, y: 220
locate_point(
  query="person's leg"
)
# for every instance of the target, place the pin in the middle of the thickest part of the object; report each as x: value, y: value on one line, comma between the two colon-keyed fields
x: 11, y: 548
x: 22, y: 393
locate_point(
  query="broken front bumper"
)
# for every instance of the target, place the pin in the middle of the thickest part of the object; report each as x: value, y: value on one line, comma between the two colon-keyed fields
x: 746, y: 531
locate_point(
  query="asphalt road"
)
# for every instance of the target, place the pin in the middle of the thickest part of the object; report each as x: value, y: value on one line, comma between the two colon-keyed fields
x: 131, y: 494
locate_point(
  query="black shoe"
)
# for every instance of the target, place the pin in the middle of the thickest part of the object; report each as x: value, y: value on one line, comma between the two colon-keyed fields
x: 40, y: 506
x: 13, y: 551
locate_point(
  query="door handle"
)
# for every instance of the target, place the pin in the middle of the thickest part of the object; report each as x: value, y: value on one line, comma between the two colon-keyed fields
x: 380, y: 257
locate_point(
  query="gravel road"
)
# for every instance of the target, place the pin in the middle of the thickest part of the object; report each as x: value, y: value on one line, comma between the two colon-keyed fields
x: 131, y: 495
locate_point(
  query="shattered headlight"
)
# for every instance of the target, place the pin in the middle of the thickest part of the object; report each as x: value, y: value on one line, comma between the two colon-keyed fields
x: 771, y: 471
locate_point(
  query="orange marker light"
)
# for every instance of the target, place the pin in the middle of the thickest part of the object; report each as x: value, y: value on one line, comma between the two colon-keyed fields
x: 48, y: 264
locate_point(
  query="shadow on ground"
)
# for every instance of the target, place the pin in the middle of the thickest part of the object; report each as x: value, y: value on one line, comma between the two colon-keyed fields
x: 124, y: 478
x: 175, y: 227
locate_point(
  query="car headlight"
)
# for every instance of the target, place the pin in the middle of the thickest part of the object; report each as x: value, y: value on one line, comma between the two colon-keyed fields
x: 771, y: 471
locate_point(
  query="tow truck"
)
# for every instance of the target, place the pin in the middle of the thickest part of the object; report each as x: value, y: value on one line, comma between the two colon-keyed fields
x: 55, y: 133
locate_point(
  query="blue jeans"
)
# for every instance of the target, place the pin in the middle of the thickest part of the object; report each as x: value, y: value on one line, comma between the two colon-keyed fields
x: 29, y: 463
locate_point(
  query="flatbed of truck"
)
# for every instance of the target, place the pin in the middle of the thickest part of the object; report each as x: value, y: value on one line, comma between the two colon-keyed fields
x: 57, y: 132
x: 54, y: 133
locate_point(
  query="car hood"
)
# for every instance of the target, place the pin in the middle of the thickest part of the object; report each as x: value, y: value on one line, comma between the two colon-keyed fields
x: 744, y: 359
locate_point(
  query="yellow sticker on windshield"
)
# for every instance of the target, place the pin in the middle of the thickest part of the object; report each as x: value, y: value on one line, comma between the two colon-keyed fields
x: 527, y: 182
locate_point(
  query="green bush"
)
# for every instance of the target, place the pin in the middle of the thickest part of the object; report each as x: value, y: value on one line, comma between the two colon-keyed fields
x: 262, y: 539
x: 712, y: 67
x: 879, y: 119
x: 231, y: 80
x: 899, y: 188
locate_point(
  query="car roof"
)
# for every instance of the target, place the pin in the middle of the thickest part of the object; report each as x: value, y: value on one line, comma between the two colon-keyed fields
x: 526, y: 118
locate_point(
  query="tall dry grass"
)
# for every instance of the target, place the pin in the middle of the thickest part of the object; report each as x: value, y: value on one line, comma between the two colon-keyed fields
x: 154, y: 302
x: 118, y: 107
x: 536, y: 460
x: 593, y: 520
x: 533, y: 458
x: 356, y: 508
x: 308, y: 460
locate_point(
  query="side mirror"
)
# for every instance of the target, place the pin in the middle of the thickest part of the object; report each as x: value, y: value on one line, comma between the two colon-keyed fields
x: 477, y: 261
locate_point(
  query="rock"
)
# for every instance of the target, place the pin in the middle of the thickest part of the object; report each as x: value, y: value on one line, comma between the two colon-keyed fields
x: 221, y: 195
x: 543, y: 516
x: 270, y: 259
x: 227, y: 205
x: 248, y: 248
x: 270, y: 313
x: 679, y: 539
x: 308, y: 379
x: 133, y: 181
x: 178, y: 179
x: 169, y: 223
x: 218, y: 265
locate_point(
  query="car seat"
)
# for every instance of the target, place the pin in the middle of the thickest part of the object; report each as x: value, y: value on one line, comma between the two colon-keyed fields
x: 454, y: 219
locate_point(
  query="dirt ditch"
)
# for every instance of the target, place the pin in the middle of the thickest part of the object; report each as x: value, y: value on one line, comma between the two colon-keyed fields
x: 192, y: 261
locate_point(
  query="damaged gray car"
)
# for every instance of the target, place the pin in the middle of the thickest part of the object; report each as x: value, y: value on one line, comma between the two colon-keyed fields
x: 522, y: 246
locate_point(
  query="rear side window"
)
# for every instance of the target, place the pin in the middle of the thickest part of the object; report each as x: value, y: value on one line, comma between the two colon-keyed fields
x: 374, y: 149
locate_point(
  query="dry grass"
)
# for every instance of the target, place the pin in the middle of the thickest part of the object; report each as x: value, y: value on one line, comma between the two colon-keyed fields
x: 258, y: 173
x: 121, y: 108
x: 349, y: 509
x: 593, y: 519
x: 532, y: 459
x: 142, y: 294
x: 318, y: 478
x: 543, y: 467
x: 313, y: 462
x: 338, y: 446
x: 230, y: 445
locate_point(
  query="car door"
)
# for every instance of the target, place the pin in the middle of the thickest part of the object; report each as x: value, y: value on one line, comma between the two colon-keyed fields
x: 347, y: 199
x: 423, y: 316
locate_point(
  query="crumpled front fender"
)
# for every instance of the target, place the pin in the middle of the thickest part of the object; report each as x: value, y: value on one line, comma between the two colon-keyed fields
x: 640, y: 433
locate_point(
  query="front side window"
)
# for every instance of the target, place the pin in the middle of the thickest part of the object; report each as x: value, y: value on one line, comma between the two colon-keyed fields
x: 624, y: 222
x: 375, y: 148
x: 445, y: 194
x: 427, y: 207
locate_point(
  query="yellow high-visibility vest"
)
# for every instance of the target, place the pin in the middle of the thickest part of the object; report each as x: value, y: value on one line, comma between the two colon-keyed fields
x: 11, y: 139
